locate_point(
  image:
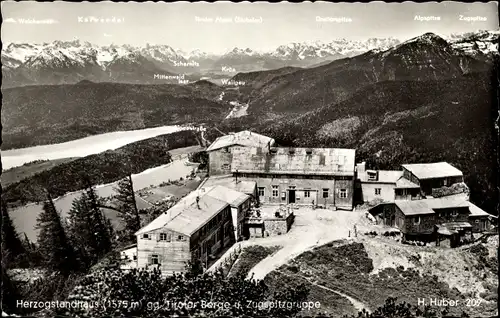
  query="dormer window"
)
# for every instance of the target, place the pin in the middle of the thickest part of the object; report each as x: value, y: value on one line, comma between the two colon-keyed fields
x: 309, y: 151
x: 372, y: 175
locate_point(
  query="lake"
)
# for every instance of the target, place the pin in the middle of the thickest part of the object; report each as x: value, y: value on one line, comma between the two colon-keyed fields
x: 24, y: 217
x: 82, y: 147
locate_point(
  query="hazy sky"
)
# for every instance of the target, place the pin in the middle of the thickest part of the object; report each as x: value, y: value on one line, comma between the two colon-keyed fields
x: 281, y: 23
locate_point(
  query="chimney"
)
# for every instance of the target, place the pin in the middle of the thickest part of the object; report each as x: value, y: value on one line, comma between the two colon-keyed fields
x: 361, y: 170
x: 198, y: 201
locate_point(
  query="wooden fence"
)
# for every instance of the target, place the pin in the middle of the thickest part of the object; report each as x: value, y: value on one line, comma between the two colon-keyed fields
x: 228, y: 260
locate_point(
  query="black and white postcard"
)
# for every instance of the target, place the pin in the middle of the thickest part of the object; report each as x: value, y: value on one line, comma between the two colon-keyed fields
x: 315, y: 159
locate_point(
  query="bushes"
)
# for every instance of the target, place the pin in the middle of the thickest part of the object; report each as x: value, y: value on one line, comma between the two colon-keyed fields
x: 484, y: 261
x: 148, y: 287
x: 347, y: 268
x: 249, y: 257
x: 350, y: 257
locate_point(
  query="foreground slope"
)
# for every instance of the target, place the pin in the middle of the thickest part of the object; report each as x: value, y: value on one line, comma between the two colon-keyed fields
x: 371, y: 270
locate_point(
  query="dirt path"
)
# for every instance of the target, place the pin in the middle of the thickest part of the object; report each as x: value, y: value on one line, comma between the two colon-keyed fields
x: 311, y: 228
x: 359, y: 306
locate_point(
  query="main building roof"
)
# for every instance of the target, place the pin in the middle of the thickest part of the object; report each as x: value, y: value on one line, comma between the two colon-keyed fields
x: 243, y: 138
x: 309, y: 161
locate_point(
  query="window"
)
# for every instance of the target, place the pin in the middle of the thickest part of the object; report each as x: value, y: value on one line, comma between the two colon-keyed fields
x: 416, y: 220
x: 322, y: 159
x: 325, y: 193
x: 164, y: 237
x: 378, y: 191
x: 146, y: 236
x: 445, y: 182
x: 307, y: 193
x: 275, y: 190
x: 180, y: 238
x: 135, y: 257
x: 477, y: 221
x: 227, y: 229
x: 341, y: 160
x: 372, y: 176
x: 343, y: 193
x: 226, y: 166
x: 454, y: 213
x: 155, y: 259
x: 261, y: 191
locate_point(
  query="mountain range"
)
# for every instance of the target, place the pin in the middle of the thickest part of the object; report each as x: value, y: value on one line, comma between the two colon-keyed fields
x: 66, y: 62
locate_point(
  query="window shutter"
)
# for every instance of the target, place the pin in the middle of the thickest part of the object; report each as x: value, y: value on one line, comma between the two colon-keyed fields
x: 150, y: 259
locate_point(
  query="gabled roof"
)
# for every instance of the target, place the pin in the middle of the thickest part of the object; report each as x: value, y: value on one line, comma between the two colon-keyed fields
x: 428, y: 206
x: 404, y: 183
x: 243, y: 138
x: 228, y: 181
x: 185, y: 217
x: 232, y: 197
x: 433, y: 170
x: 477, y: 211
x: 310, y: 161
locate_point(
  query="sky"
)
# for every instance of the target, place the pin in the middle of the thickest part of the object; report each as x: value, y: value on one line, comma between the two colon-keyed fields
x: 176, y: 24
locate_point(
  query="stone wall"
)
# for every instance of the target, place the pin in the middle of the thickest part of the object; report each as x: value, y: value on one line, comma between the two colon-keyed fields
x: 278, y: 226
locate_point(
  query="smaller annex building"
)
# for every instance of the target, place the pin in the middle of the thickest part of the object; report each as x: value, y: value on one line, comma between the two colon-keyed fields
x: 201, y: 226
x: 426, y: 218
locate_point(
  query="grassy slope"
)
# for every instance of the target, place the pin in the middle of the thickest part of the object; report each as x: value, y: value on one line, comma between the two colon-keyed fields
x: 249, y: 257
x: 350, y: 269
x: 27, y: 170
